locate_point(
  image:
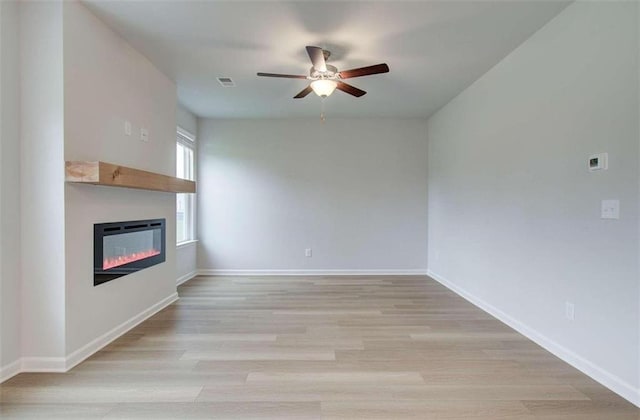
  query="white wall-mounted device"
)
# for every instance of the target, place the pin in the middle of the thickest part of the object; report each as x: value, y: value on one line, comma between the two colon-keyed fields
x: 598, y: 162
x: 610, y: 209
x: 144, y: 134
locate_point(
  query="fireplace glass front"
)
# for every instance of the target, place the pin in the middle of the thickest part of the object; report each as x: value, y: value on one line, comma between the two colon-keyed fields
x: 123, y: 248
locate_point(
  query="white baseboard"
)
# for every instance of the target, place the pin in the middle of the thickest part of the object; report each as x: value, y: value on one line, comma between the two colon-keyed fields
x: 186, y: 277
x: 84, y: 352
x: 613, y: 382
x: 390, y: 272
x: 64, y: 364
x: 10, y: 370
x: 42, y: 364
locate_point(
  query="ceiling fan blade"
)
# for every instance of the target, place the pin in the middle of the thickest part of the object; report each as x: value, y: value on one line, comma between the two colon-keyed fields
x: 287, y: 76
x: 317, y: 58
x: 303, y: 93
x: 351, y: 90
x: 365, y: 71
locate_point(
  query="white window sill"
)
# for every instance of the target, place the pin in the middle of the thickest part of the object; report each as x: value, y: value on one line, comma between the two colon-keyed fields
x: 186, y: 243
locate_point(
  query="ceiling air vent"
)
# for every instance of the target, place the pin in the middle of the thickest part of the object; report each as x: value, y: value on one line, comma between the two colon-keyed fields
x: 226, y: 82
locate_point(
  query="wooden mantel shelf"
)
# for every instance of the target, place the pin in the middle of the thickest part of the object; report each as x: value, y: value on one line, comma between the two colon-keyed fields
x: 102, y: 173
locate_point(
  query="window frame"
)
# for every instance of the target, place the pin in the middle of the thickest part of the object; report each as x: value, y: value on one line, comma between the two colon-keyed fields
x: 187, y: 140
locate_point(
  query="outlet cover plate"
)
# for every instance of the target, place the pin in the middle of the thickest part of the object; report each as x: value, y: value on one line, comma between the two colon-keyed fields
x: 144, y: 134
x: 610, y: 209
x: 570, y: 311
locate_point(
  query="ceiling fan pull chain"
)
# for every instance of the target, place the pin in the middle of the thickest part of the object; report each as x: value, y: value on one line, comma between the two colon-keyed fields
x: 322, y: 117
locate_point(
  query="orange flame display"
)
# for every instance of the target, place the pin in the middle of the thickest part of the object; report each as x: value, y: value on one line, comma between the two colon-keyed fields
x: 111, y: 262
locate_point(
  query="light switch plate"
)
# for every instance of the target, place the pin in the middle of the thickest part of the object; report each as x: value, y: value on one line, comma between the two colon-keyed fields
x: 127, y: 128
x: 570, y: 311
x: 610, y: 209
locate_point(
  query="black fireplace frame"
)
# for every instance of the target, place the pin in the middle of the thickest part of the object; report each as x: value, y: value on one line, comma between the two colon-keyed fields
x: 100, y: 230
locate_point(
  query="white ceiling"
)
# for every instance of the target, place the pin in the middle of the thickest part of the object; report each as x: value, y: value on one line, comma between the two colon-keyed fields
x: 434, y: 50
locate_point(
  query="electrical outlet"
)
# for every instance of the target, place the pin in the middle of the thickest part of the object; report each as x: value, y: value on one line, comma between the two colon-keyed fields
x: 570, y: 311
x: 307, y: 252
x: 144, y: 134
x: 610, y: 209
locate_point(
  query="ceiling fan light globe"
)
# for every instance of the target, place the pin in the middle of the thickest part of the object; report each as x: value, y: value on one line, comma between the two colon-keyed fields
x: 323, y: 87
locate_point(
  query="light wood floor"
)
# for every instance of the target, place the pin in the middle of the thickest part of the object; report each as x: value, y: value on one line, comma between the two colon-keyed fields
x: 332, y: 347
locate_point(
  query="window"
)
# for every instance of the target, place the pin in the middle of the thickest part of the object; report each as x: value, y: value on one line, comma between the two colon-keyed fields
x: 185, y: 203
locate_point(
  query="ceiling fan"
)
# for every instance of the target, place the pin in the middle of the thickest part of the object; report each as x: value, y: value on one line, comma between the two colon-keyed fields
x: 325, y: 78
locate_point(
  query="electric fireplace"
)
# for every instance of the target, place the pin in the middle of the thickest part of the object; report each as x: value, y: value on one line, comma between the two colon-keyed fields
x: 123, y: 248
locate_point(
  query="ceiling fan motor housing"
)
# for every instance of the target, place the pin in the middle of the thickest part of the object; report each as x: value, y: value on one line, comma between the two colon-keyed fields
x: 331, y: 73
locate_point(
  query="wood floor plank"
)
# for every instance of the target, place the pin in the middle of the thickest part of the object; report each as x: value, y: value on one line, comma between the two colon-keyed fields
x: 54, y: 411
x: 585, y: 408
x: 117, y: 393
x: 94, y: 365
x: 343, y: 391
x: 350, y: 377
x: 283, y: 353
x: 383, y: 347
x: 221, y: 410
x: 425, y: 410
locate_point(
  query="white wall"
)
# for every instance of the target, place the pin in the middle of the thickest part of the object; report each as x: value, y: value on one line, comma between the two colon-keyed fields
x: 42, y: 181
x: 353, y: 190
x: 71, y: 82
x: 186, y: 119
x: 186, y: 267
x: 9, y: 194
x: 186, y: 262
x: 514, y: 215
x: 106, y: 83
x: 638, y: 122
